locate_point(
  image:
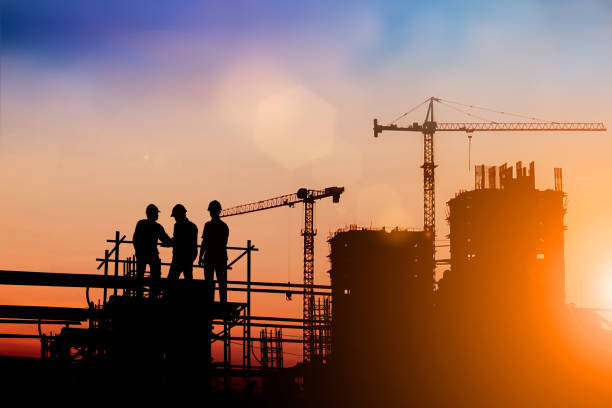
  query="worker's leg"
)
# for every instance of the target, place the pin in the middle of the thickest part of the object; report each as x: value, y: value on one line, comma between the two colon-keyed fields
x: 175, y: 270
x: 188, y: 270
x: 221, y: 267
x: 141, y: 265
x: 173, y: 275
x: 155, y: 266
x: 209, y: 276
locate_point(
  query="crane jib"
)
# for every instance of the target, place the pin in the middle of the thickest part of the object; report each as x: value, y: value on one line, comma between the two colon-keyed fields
x: 308, y: 197
x: 494, y: 126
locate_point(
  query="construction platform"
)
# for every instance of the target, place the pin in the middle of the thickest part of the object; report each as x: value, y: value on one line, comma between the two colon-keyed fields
x: 132, y: 334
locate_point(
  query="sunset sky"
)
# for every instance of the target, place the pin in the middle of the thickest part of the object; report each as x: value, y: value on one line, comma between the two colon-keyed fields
x: 107, y: 106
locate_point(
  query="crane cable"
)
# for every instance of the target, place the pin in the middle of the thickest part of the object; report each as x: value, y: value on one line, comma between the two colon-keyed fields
x: 496, y: 111
x: 410, y: 111
x: 468, y: 113
x: 469, y: 134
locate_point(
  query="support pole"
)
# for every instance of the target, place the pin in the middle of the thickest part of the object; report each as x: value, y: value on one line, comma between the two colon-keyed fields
x: 105, y: 273
x: 308, y: 300
x: 248, y: 307
x: 116, y: 258
x: 429, y: 183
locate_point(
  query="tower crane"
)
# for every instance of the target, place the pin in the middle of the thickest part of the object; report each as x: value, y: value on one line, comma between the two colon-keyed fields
x: 429, y: 127
x: 308, y: 197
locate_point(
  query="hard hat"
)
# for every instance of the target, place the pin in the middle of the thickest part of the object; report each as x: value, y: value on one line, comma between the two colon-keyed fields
x: 214, y: 206
x: 178, y: 209
x: 152, y: 209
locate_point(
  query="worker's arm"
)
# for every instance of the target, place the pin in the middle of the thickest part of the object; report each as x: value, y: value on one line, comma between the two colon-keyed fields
x: 226, y: 235
x: 194, y: 240
x: 136, y: 236
x: 164, y: 238
x: 203, y: 246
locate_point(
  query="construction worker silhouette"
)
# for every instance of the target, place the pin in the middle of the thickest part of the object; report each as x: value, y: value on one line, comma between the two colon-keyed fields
x: 185, y: 244
x: 213, y: 252
x: 146, y: 235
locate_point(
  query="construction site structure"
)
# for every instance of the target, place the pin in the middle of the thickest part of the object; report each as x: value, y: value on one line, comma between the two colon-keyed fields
x: 429, y: 127
x: 271, y: 349
x: 382, y: 301
x: 308, y: 198
x: 500, y: 309
x: 322, y: 330
x: 508, y: 224
x: 124, y: 339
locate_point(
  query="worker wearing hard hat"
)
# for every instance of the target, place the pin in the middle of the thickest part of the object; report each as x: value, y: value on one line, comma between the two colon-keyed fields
x: 146, y: 235
x: 184, y: 244
x: 213, y: 252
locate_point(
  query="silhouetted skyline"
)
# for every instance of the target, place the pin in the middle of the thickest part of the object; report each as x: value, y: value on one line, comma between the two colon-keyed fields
x: 100, y: 101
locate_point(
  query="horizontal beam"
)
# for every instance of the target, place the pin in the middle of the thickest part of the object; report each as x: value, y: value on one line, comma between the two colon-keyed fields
x: 276, y: 319
x: 127, y: 261
x: 75, y: 314
x: 45, y: 312
x: 281, y: 285
x: 232, y: 248
x: 277, y: 291
x: 18, y: 336
x: 37, y: 321
x: 271, y: 338
x: 253, y: 372
x: 74, y: 280
x: 275, y: 325
x: 496, y: 127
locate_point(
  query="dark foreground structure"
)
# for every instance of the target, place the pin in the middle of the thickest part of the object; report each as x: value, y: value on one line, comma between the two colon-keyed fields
x: 167, y: 342
x: 494, y: 331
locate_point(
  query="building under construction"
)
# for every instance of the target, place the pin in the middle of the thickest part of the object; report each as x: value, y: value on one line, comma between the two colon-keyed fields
x: 506, y: 233
x: 504, y: 336
x: 382, y: 291
x: 494, y: 332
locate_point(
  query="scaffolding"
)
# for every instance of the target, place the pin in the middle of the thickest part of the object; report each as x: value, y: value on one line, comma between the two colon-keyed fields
x: 271, y: 349
x: 322, y: 319
x: 87, y: 333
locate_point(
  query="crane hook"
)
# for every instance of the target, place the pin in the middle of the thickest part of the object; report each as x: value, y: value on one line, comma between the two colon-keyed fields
x: 288, y: 294
x: 469, y: 135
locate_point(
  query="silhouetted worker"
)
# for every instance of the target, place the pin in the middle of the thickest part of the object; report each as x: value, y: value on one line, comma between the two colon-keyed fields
x: 146, y: 235
x: 185, y: 244
x: 213, y: 252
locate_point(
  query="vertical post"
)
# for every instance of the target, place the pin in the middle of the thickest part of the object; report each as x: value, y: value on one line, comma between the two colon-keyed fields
x: 125, y: 265
x: 226, y: 345
x: 130, y: 274
x: 429, y: 185
x: 229, y: 351
x: 116, y: 259
x: 105, y: 273
x: 308, y: 299
x: 248, y: 308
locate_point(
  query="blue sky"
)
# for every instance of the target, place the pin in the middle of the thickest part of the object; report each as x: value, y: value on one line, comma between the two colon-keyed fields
x: 68, y: 28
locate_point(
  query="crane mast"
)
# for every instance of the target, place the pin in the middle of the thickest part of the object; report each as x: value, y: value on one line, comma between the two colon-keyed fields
x: 429, y: 185
x: 308, y: 197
